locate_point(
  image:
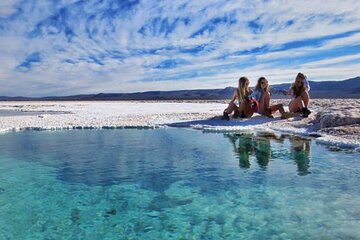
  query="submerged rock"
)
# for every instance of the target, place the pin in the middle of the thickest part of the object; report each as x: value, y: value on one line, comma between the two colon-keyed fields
x: 75, y: 215
x: 110, y: 212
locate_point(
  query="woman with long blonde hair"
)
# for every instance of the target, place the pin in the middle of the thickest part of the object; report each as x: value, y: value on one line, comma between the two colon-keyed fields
x: 241, y: 94
x: 262, y: 95
x: 299, y: 91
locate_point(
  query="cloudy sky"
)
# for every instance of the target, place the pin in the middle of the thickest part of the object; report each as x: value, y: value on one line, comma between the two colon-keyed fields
x: 66, y: 47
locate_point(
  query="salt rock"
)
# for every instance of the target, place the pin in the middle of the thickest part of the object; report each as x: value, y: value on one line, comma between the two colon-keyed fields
x: 334, y: 119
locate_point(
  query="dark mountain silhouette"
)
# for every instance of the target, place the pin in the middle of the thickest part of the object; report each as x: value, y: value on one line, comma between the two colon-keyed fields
x: 349, y: 88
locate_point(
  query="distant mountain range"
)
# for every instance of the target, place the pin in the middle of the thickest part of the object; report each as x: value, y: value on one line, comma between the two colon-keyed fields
x: 349, y: 88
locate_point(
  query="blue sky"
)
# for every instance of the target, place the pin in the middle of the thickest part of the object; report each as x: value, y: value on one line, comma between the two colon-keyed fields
x: 66, y: 47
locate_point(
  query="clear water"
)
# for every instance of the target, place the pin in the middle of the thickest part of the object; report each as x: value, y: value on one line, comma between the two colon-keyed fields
x: 175, y: 184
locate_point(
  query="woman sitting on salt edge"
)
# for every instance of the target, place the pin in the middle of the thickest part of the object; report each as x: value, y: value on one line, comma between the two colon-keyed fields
x: 299, y: 91
x: 262, y: 95
x: 246, y: 108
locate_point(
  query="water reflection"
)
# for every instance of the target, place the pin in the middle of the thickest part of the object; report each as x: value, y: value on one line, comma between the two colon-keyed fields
x: 246, y: 146
x: 155, y: 158
x: 243, y: 147
x: 300, y: 152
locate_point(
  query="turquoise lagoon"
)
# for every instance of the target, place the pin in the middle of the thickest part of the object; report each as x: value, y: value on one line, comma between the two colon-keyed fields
x: 175, y: 184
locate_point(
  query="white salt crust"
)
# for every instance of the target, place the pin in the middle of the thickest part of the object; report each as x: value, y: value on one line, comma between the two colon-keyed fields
x: 333, y: 121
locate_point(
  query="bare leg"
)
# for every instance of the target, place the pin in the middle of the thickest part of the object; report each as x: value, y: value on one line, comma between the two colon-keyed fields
x: 280, y: 108
x: 277, y: 107
x: 232, y: 106
x: 296, y: 104
x: 264, y: 103
x: 241, y: 108
x: 300, y: 102
x: 267, y: 110
x: 306, y: 98
x: 245, y: 109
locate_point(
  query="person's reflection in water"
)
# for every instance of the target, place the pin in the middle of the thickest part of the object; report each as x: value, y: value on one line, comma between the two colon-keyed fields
x: 244, y: 148
x: 263, y: 151
x: 300, y: 152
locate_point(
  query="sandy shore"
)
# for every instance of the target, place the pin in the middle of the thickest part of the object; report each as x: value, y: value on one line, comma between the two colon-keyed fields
x: 333, y: 121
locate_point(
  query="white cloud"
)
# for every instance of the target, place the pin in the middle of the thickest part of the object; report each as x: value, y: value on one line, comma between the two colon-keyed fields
x: 334, y: 61
x: 8, y: 8
x: 253, y: 38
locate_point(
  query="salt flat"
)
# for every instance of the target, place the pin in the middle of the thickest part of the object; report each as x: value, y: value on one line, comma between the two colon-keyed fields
x: 333, y: 121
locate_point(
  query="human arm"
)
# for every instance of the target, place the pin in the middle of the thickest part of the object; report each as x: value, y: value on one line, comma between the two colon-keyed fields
x: 266, y: 97
x: 288, y: 92
x: 306, y: 85
x: 233, y: 98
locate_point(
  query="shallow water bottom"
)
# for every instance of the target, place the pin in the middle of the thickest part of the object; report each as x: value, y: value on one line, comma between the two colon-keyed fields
x: 175, y: 184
